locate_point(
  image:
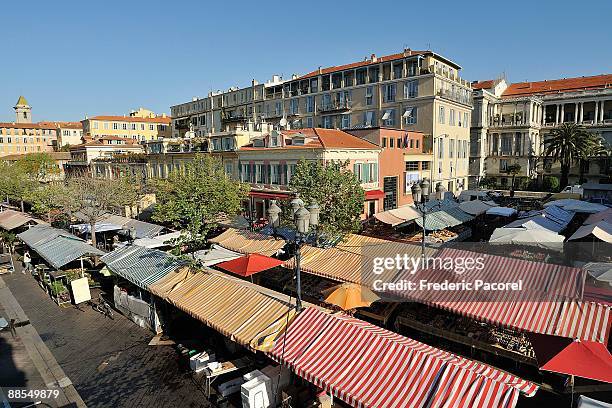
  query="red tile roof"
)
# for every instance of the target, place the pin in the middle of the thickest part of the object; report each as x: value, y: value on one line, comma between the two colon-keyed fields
x: 559, y: 85
x: 367, y: 62
x: 160, y: 119
x: 39, y: 125
x: 326, y: 139
x: 67, y: 125
x: 488, y: 84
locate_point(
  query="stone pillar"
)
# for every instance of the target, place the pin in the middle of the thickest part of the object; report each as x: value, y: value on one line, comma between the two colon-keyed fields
x: 596, y: 112
x: 576, y: 112
x: 601, y: 116
x: 580, y: 119
x: 557, y: 110
x: 562, y: 116
x: 514, y: 114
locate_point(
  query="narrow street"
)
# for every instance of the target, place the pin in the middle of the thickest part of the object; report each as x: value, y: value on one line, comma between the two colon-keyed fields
x: 109, y: 361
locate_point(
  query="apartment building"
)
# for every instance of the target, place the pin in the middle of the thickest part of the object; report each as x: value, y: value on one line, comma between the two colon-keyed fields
x: 403, y: 160
x: 140, y: 125
x: 68, y: 133
x: 270, y: 160
x: 23, y: 136
x: 104, y: 148
x: 412, y: 90
x: 510, y: 124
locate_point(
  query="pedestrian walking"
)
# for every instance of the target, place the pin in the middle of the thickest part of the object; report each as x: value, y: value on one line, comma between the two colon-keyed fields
x: 27, y: 262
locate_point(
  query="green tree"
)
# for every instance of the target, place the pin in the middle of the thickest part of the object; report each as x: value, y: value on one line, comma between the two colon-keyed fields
x: 94, y: 197
x: 335, y: 189
x: 550, y: 183
x: 38, y: 166
x: 15, y: 184
x: 513, y: 170
x: 567, y: 144
x: 596, y: 147
x: 195, y: 197
x: 48, y: 199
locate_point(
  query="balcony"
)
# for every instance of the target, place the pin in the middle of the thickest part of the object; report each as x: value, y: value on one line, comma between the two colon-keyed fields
x: 227, y: 116
x: 335, y: 106
x: 455, y: 96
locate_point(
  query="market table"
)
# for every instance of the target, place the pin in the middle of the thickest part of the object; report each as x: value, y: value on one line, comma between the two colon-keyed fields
x: 226, y: 368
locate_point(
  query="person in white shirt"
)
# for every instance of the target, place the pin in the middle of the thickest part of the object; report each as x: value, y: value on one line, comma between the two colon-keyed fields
x: 27, y: 262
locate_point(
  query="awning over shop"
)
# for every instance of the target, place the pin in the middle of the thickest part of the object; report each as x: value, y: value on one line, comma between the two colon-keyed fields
x: 215, y: 254
x: 547, y: 304
x: 55, y: 246
x: 519, y: 236
x: 246, y: 313
x: 398, y: 215
x: 247, y: 242
x: 374, y: 194
x: 600, y: 230
x: 141, y: 266
x: 449, y: 217
x: 476, y: 207
x: 501, y: 211
x: 367, y: 366
x: 351, y: 259
x: 578, y: 206
x: 11, y: 219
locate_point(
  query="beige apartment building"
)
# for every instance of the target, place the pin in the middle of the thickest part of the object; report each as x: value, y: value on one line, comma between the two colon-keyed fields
x: 68, y: 133
x: 141, y: 125
x: 412, y: 90
x: 23, y: 136
x: 510, y: 123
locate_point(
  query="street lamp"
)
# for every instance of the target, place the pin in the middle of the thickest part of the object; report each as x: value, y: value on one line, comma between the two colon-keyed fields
x: 420, y: 197
x: 303, y: 219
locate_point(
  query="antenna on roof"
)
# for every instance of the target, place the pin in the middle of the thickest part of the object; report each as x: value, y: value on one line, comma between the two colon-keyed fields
x: 428, y: 46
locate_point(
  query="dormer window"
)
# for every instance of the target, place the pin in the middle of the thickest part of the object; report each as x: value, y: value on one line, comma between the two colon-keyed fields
x: 259, y: 143
x: 298, y: 141
x: 274, y: 141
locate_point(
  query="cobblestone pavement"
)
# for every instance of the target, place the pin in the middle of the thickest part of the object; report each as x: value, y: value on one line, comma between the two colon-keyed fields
x: 109, y: 361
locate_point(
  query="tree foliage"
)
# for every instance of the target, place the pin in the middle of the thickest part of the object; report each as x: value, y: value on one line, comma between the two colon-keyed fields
x: 49, y: 200
x: 335, y: 189
x: 568, y: 144
x: 513, y: 170
x: 195, y: 197
x: 93, y: 197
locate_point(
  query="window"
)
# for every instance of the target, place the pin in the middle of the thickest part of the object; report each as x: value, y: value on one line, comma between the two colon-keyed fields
x: 115, y: 126
x: 327, y: 122
x: 314, y: 86
x: 440, y: 148
x: 389, y: 93
x: 391, y: 142
x: 388, y: 118
x: 346, y: 121
x: 465, y: 119
x: 384, y: 142
x: 425, y: 165
x: 399, y: 143
x: 275, y: 172
x: 259, y: 176
x: 326, y: 100
x: 369, y: 118
x: 142, y: 126
x: 216, y: 144
x: 503, y: 165
x: 451, y: 148
x: 124, y: 126
x: 310, y: 104
x: 361, y: 76
x: 95, y: 125
x: 369, y: 97
x: 411, y: 89
x: 412, y: 165
x: 229, y: 169
x: 410, y: 115
x: 152, y: 127
x: 293, y: 106
x: 309, y: 122
x: 441, y: 115
x: 133, y: 126
x: 366, y: 172
x: 451, y: 119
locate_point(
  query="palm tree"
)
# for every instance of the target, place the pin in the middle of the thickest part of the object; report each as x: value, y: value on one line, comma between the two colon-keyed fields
x: 567, y: 144
x: 513, y: 169
x: 596, y: 148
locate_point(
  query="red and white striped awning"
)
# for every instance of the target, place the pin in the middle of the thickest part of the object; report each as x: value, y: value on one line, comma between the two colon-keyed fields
x: 547, y: 305
x: 367, y: 366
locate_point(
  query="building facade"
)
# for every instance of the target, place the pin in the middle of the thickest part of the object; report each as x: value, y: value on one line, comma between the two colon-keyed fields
x: 412, y: 90
x: 23, y: 136
x: 510, y: 124
x: 68, y: 133
x: 135, y: 127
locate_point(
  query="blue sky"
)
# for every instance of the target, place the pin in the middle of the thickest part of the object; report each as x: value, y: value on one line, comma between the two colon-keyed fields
x: 72, y: 58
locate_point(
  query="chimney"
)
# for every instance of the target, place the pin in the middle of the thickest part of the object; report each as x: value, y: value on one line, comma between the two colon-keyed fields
x: 320, y: 70
x: 254, y: 82
x: 373, y: 58
x: 407, y: 52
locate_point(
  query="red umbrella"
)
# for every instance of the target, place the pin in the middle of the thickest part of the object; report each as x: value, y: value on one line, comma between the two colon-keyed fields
x: 250, y: 264
x: 586, y: 359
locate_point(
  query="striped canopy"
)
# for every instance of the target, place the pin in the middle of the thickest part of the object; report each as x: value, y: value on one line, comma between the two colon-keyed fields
x: 367, y: 366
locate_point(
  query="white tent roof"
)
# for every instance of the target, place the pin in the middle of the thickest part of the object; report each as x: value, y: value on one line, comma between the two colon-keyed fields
x: 570, y: 204
x: 399, y: 215
x: 586, y: 402
x: 602, y: 230
x: 503, y: 211
x: 215, y: 255
x: 158, y: 241
x: 476, y: 207
x: 520, y: 236
x: 602, y: 271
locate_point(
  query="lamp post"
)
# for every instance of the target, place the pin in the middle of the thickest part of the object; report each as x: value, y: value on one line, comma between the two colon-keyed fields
x: 420, y: 197
x: 303, y: 219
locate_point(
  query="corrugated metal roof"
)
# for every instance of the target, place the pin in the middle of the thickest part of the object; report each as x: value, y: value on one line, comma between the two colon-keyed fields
x: 449, y: 217
x: 141, y: 266
x: 231, y: 306
x: 247, y: 242
x: 56, y: 246
x: 143, y: 229
x: 11, y: 219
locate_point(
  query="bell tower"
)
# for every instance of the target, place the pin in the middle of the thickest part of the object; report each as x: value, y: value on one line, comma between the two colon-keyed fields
x: 23, y: 111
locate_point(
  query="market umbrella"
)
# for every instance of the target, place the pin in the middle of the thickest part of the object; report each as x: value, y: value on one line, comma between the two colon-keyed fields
x: 586, y: 359
x: 250, y: 264
x: 350, y: 296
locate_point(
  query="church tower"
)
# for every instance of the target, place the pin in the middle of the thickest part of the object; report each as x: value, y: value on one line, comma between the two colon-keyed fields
x: 23, y: 111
